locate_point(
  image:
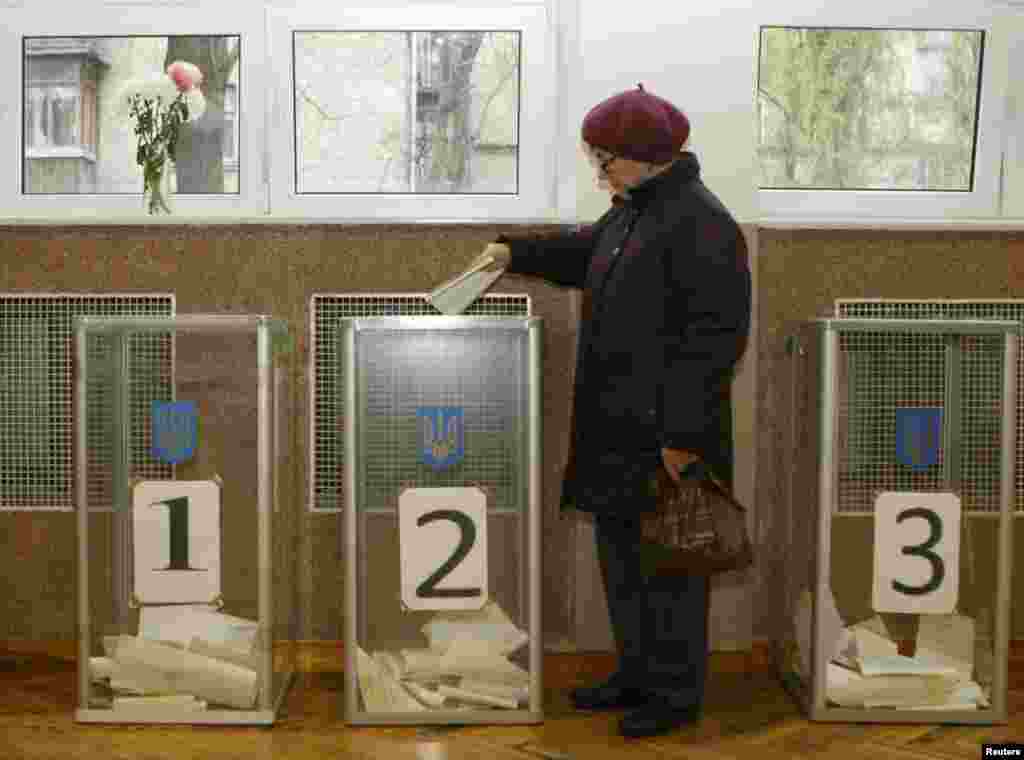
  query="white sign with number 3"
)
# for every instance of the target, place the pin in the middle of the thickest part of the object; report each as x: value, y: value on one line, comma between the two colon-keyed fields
x: 442, y: 536
x: 917, y: 552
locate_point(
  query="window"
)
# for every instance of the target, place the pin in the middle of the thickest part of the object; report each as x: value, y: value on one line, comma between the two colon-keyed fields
x: 76, y: 136
x: 401, y: 114
x: 868, y: 108
x: 899, y: 118
x: 64, y: 77
x: 417, y: 112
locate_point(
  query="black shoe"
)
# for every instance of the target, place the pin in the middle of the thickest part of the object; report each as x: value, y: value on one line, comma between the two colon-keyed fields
x: 612, y: 694
x: 657, y: 717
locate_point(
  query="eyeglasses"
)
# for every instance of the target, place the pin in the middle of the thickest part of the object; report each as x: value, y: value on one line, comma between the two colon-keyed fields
x: 597, y: 163
x: 603, y: 166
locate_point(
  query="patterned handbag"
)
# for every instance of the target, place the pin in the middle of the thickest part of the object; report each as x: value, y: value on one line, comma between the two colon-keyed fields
x: 697, y: 528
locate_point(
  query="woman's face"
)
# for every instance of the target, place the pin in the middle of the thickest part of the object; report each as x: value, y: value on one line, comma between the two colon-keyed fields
x: 614, y: 173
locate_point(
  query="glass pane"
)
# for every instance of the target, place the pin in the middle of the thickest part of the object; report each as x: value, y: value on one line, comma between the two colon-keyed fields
x: 407, y: 112
x: 859, y: 109
x: 78, y: 134
x: 461, y: 426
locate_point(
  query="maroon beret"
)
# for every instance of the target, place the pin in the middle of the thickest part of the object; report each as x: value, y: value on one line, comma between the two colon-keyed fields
x: 637, y: 125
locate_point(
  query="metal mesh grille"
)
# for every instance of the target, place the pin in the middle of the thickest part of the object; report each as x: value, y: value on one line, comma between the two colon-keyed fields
x: 149, y: 362
x: 482, y: 372
x: 327, y: 381
x: 882, y: 372
x: 36, y: 397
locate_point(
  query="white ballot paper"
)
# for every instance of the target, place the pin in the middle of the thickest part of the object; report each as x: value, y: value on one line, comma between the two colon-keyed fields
x: 471, y: 658
x: 516, y: 693
x: 185, y: 672
x: 898, y: 665
x: 381, y: 692
x: 847, y: 688
x: 184, y: 702
x: 489, y: 626
x: 465, y: 667
x: 419, y: 664
x: 477, y: 698
x: 179, y: 624
x: 458, y: 294
x: 868, y: 638
x: 428, y: 697
x: 948, y: 640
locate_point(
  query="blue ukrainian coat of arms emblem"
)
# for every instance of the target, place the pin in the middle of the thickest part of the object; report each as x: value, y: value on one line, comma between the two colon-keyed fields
x: 918, y: 436
x: 175, y: 430
x: 442, y: 439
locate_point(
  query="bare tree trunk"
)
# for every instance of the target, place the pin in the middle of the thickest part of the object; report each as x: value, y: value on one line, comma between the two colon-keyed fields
x: 451, y: 150
x: 200, y: 151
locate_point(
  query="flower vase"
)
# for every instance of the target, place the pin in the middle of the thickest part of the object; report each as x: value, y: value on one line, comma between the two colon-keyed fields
x: 159, y: 193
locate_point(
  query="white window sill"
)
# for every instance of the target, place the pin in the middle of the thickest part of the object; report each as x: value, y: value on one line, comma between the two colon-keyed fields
x: 896, y: 225
x: 175, y: 220
x: 31, y: 153
x: 864, y: 225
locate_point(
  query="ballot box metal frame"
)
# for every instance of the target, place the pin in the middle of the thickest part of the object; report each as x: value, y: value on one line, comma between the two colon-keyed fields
x: 814, y: 454
x: 272, y: 387
x: 355, y: 555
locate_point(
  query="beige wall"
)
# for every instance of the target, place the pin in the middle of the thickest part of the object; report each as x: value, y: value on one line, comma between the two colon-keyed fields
x: 274, y: 269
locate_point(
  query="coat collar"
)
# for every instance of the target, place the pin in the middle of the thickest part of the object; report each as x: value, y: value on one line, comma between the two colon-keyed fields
x: 684, y: 170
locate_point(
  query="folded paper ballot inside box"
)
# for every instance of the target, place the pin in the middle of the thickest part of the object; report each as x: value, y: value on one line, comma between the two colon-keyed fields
x: 465, y: 667
x: 490, y: 626
x: 865, y: 669
x: 185, y: 672
x: 199, y: 653
x: 181, y: 623
x: 386, y: 687
x: 381, y: 692
x: 850, y: 689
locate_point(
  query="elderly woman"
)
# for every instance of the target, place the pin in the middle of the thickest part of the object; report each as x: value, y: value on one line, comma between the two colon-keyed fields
x: 665, y: 318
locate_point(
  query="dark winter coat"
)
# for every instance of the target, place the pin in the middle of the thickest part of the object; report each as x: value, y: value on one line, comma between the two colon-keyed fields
x: 666, y: 313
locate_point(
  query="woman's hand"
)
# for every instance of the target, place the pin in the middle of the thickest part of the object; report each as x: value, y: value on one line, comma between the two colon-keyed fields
x: 498, y: 252
x: 677, y: 460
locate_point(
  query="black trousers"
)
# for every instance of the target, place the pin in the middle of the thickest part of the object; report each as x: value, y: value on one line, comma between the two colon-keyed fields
x: 660, y: 624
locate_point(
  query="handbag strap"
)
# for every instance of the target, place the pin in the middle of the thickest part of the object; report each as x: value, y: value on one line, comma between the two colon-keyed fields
x: 698, y: 472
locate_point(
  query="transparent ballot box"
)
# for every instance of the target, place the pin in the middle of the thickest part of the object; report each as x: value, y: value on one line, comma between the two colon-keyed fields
x: 442, y: 519
x: 186, y: 519
x: 894, y: 547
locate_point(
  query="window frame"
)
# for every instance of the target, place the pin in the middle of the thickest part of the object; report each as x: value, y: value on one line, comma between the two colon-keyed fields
x: 102, y: 20
x: 781, y: 207
x: 535, y: 200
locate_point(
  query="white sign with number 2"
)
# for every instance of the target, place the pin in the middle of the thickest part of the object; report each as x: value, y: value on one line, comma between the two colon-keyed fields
x: 442, y: 536
x: 917, y: 552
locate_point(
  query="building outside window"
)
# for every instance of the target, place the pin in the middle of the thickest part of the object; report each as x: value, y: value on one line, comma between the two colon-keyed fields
x: 60, y: 126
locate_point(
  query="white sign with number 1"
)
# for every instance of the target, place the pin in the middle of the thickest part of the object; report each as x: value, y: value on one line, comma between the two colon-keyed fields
x: 176, y: 526
x: 917, y: 552
x: 442, y: 536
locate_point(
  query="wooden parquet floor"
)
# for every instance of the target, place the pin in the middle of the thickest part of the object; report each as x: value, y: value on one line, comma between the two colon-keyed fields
x: 747, y: 715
